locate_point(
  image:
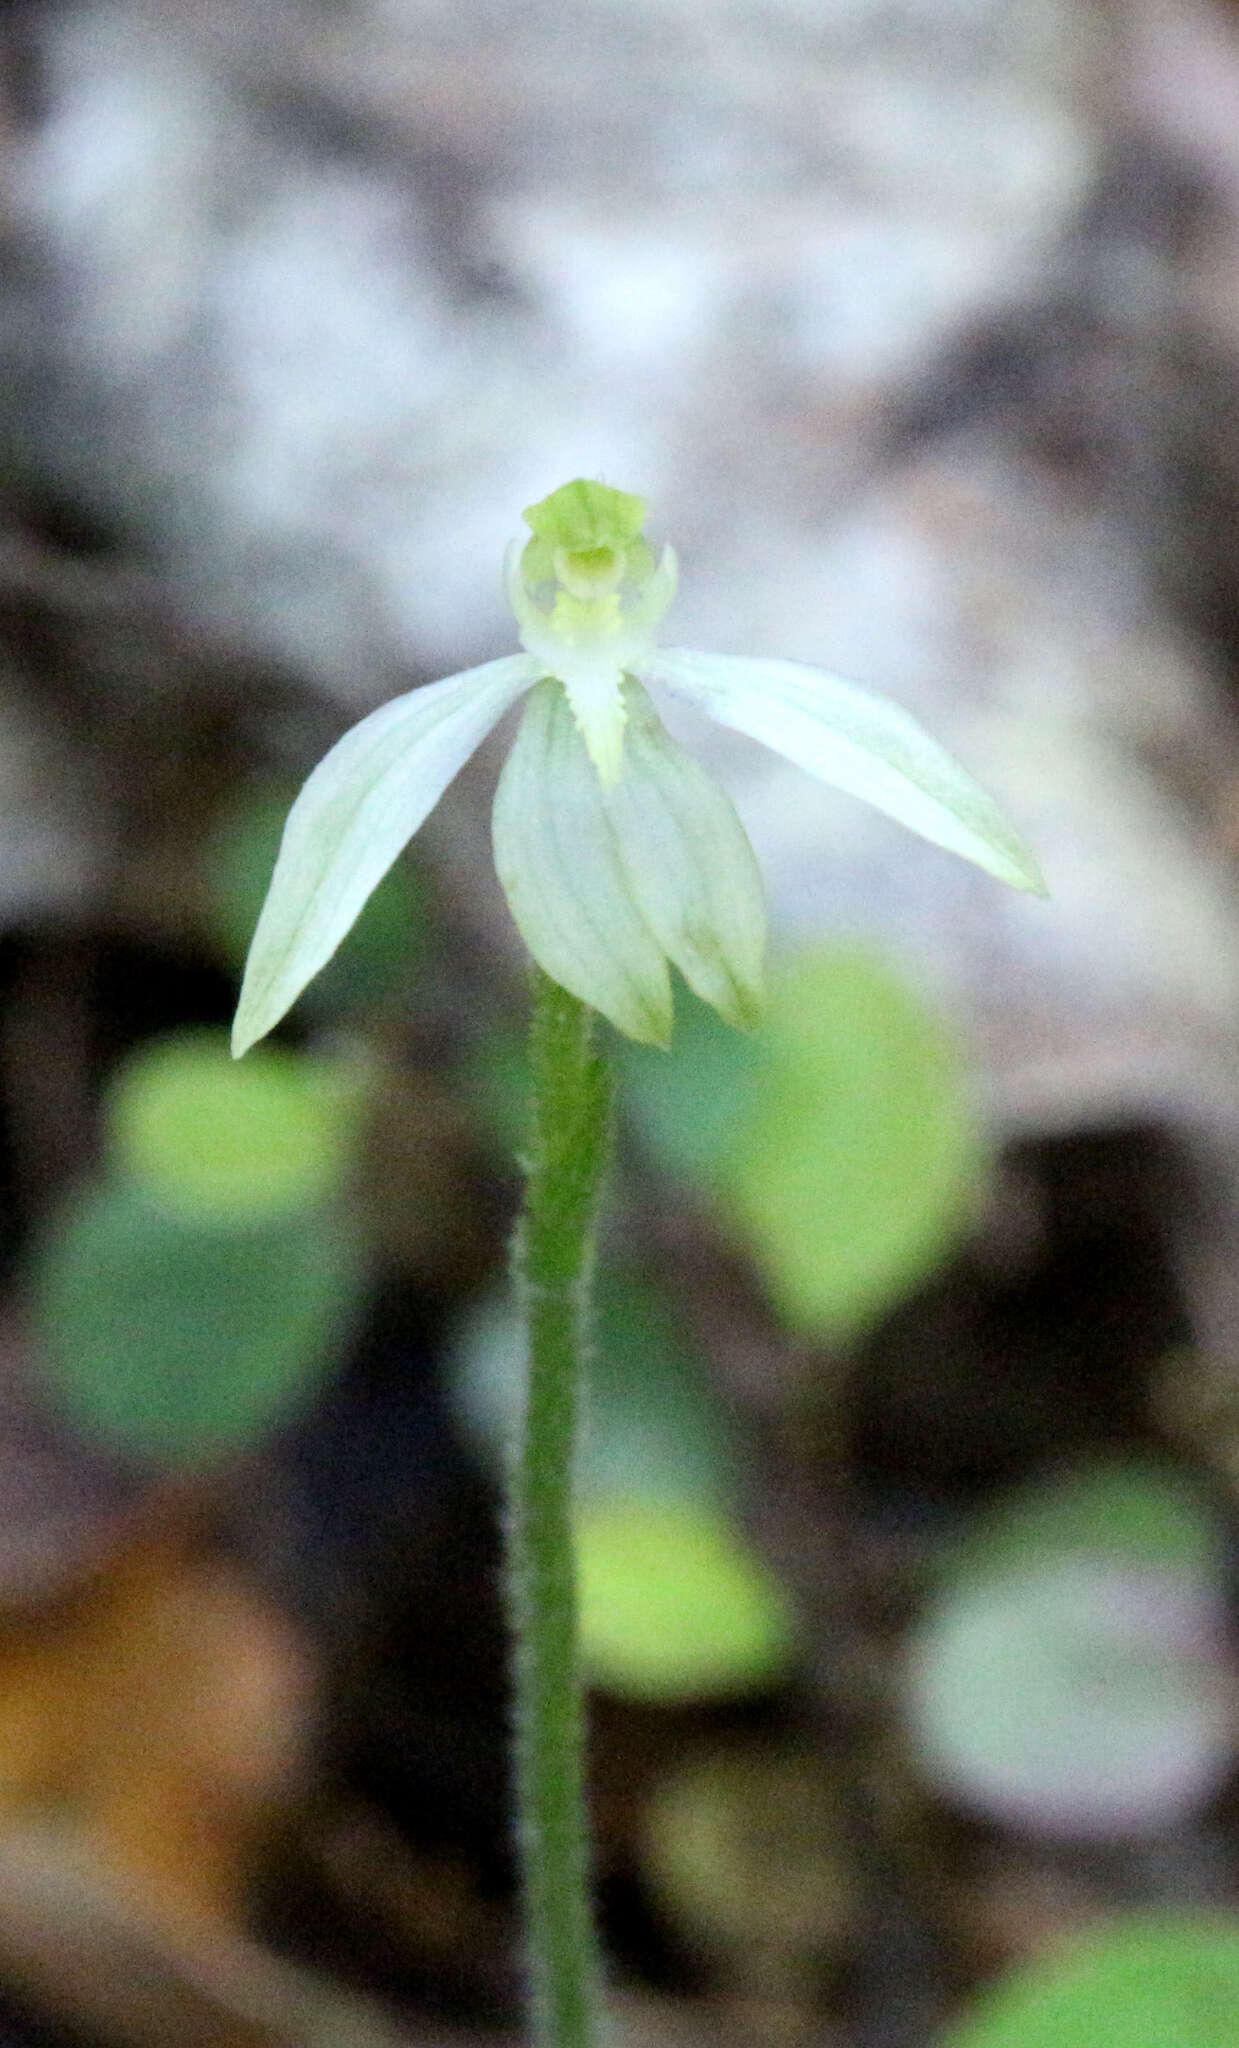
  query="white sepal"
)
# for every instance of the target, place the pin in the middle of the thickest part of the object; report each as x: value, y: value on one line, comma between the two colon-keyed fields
x: 357, y: 811
x: 860, y: 742
x: 690, y: 868
x: 558, y: 861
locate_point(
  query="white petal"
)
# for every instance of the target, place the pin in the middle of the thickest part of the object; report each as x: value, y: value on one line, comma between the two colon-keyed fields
x: 357, y: 811
x: 557, y: 858
x: 690, y: 867
x: 860, y: 742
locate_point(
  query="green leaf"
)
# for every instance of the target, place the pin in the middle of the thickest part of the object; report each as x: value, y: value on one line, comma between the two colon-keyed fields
x: 237, y: 863
x: 205, y: 1136
x: 674, y: 1603
x: 357, y: 811
x: 685, y: 1102
x: 674, y: 1606
x: 1072, y: 1672
x: 855, y: 1159
x: 746, y: 1846
x: 1138, y: 1511
x: 175, y: 1340
x: 858, y: 742
x: 494, y: 1079
x: 1148, y: 1980
x: 650, y: 1424
x: 567, y: 888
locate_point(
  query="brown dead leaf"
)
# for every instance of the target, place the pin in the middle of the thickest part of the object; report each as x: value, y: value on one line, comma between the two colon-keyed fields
x: 158, y: 1713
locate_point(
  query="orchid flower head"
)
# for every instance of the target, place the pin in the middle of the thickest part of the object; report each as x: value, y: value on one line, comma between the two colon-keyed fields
x: 619, y: 855
x: 587, y: 594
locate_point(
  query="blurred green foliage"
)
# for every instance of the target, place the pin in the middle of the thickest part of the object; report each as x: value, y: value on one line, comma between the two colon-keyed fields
x: 1071, y: 1672
x: 215, y: 1137
x: 1145, y: 1981
x: 650, y: 1424
x: 674, y: 1603
x: 1135, y: 1510
x: 839, y: 1140
x: 193, y: 1295
x: 746, y: 1850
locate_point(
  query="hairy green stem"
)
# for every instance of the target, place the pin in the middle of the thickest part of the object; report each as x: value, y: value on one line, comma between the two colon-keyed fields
x: 554, y: 1257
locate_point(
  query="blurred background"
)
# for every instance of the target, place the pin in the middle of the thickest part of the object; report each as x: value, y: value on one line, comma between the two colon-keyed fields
x: 908, y: 1502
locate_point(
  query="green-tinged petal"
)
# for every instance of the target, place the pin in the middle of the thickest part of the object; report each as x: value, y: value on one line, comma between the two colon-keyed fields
x: 559, y: 863
x: 357, y: 811
x: 588, y: 644
x: 586, y: 514
x: 691, y: 870
x: 860, y: 742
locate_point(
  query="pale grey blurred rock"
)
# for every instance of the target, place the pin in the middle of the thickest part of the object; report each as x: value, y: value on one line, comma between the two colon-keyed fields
x: 314, y: 300
x: 334, y: 297
x: 51, y: 846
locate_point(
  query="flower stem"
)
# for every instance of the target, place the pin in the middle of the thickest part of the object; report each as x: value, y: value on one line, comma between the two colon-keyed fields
x: 554, y: 1258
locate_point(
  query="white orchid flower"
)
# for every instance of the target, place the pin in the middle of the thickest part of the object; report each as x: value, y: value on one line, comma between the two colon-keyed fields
x: 617, y: 853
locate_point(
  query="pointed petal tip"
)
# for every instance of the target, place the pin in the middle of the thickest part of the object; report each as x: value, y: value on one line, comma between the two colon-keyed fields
x: 606, y: 751
x: 1002, y: 856
x: 740, y: 1004
x: 638, y: 1020
x: 653, y: 1031
x: 246, y: 1031
x: 747, y: 1009
x: 860, y: 742
x: 260, y: 1008
x: 646, y: 1015
x: 1022, y: 871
